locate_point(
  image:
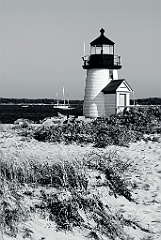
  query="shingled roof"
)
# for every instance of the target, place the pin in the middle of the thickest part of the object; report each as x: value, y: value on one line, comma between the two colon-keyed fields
x: 101, y: 40
x: 113, y: 86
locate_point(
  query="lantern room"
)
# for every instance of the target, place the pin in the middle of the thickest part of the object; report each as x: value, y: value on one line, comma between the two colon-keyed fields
x: 102, y: 54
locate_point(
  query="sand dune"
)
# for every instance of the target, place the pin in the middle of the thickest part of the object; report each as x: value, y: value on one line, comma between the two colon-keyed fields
x: 144, y: 176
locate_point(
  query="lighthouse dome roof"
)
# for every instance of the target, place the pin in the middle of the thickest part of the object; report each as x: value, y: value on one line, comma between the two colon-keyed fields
x: 101, y: 40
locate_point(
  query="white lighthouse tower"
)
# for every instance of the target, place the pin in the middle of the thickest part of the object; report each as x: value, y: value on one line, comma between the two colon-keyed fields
x: 102, y: 99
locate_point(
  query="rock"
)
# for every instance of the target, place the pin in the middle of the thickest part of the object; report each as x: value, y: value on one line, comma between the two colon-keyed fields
x: 23, y: 123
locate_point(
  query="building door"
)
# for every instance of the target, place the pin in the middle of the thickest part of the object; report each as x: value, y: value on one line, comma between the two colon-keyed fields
x: 122, y: 100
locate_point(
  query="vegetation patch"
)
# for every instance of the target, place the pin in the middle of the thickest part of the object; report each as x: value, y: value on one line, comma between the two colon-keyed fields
x: 12, y: 210
x: 101, y: 132
x: 65, y: 196
x: 66, y: 193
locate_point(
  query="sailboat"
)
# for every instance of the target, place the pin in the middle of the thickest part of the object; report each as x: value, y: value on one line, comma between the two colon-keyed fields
x: 63, y: 106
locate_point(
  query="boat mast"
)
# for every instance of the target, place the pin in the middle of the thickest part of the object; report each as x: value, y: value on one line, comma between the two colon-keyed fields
x: 63, y: 95
x: 68, y: 98
x: 57, y: 101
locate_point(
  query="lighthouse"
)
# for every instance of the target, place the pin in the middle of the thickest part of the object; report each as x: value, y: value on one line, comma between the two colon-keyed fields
x: 105, y: 93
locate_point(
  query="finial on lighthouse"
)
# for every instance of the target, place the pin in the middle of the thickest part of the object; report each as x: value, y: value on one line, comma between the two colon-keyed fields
x: 102, y: 31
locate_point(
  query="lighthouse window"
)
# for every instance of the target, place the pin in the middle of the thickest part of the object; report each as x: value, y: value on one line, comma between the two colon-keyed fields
x: 110, y: 74
x: 95, y: 50
x: 98, y: 50
x: 108, y: 49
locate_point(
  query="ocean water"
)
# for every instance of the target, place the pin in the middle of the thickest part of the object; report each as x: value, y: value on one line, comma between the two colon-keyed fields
x: 11, y: 112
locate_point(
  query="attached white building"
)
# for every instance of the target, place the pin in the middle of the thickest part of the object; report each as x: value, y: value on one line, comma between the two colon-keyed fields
x: 105, y: 94
x: 116, y: 96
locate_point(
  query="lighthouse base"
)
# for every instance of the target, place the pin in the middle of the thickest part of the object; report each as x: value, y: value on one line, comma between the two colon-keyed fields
x: 94, y: 109
x: 96, y: 80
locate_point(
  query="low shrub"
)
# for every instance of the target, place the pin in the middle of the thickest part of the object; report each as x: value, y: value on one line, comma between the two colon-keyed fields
x: 116, y: 129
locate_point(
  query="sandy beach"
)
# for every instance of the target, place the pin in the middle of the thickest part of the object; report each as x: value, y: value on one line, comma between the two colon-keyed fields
x: 143, y: 175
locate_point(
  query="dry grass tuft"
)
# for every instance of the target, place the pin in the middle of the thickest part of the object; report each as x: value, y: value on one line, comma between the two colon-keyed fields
x: 12, y: 210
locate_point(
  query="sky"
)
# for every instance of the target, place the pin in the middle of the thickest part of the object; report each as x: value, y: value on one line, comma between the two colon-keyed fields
x: 41, y: 45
